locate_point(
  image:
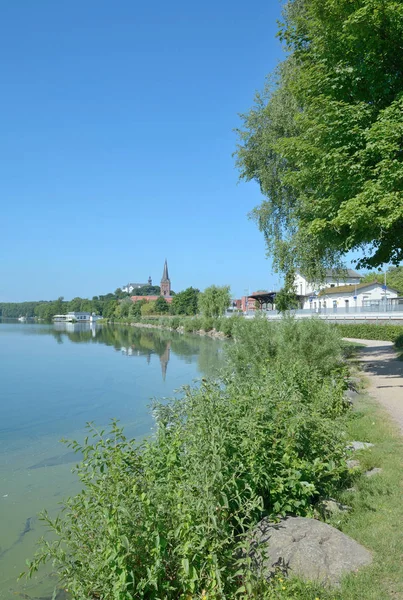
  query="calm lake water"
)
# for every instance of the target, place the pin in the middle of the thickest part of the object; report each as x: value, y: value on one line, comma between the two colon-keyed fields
x: 53, y: 380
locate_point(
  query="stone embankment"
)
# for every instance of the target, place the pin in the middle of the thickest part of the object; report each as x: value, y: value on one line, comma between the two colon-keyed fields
x: 213, y: 333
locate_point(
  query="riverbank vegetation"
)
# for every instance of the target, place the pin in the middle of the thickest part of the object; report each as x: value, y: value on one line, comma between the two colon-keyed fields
x: 372, y: 331
x: 170, y: 518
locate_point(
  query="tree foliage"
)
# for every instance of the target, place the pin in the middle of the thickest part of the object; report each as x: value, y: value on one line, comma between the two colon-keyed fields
x: 394, y: 277
x: 324, y: 139
x: 148, y: 308
x: 286, y: 299
x: 147, y: 290
x: 161, y: 306
x: 214, y: 301
x: 186, y: 302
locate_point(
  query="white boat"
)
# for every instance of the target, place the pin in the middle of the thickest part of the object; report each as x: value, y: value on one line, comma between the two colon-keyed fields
x: 76, y: 317
x: 22, y: 319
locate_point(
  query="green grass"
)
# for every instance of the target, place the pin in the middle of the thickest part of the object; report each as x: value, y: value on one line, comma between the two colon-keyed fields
x: 377, y: 516
x: 376, y: 520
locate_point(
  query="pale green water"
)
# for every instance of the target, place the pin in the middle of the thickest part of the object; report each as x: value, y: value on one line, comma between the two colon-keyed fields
x: 54, y: 379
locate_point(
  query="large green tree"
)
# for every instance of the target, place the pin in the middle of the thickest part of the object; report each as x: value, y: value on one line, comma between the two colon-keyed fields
x: 394, y: 277
x: 214, y: 301
x: 185, y: 302
x: 161, y: 305
x: 324, y: 139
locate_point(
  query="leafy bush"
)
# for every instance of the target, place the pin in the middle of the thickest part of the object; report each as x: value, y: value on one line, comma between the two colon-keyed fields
x: 259, y: 342
x: 196, y: 323
x: 175, y: 322
x: 169, y: 519
x: 371, y: 331
x: 207, y: 323
x: 189, y: 325
x: 226, y: 325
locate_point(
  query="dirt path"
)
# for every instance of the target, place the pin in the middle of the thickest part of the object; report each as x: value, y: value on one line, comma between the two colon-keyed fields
x: 385, y: 374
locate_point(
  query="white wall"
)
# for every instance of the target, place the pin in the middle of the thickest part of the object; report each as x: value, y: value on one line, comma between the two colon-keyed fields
x: 304, y: 288
x: 373, y: 292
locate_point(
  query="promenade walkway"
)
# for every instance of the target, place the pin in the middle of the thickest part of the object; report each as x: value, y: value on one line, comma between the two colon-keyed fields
x: 385, y: 373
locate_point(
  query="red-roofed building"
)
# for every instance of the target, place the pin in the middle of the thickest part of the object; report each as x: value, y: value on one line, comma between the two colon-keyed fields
x: 150, y: 298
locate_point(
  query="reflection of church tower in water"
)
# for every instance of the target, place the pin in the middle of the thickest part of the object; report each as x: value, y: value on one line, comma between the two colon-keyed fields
x: 165, y: 281
x: 164, y: 360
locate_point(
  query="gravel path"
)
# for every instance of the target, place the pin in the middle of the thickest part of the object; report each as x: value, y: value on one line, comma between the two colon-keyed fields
x: 385, y: 373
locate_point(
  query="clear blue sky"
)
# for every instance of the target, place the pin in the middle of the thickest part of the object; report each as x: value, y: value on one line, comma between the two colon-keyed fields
x: 116, y: 146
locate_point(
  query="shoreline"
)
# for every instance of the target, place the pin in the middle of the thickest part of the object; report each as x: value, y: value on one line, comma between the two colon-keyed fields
x: 213, y: 333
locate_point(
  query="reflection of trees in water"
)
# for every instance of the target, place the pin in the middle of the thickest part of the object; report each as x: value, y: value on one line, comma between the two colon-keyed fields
x: 136, y: 341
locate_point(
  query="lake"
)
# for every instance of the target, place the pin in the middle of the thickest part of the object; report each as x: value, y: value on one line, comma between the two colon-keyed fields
x: 53, y: 380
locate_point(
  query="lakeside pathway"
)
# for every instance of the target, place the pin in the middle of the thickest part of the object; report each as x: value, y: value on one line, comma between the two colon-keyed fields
x: 385, y: 373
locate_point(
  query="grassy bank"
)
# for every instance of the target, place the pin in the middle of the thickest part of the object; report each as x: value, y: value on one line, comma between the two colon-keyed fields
x: 170, y: 519
x: 377, y: 514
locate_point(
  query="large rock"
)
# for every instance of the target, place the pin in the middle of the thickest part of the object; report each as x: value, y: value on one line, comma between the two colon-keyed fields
x: 309, y: 549
x: 331, y: 508
x: 359, y: 445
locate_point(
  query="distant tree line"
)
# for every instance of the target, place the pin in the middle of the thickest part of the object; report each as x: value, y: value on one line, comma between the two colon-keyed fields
x: 119, y: 305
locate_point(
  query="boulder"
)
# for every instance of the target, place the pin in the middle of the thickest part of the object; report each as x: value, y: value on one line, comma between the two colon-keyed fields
x: 331, y: 508
x: 308, y: 549
x: 372, y: 472
x: 359, y: 445
x: 350, y: 396
x: 354, y: 383
x: 353, y: 464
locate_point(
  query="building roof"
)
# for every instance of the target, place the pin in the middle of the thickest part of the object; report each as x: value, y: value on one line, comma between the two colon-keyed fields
x: 342, y: 273
x: 263, y: 297
x: 165, y: 276
x: 136, y: 284
x: 151, y: 298
x: 343, y: 289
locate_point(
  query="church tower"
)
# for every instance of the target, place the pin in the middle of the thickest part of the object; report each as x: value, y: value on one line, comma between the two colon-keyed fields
x: 165, y: 281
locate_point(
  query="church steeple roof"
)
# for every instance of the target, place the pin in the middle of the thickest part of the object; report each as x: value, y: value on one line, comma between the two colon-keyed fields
x: 165, y: 276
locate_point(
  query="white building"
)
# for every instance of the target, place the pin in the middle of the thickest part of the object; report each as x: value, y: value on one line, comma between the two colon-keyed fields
x: 135, y: 286
x: 371, y: 295
x: 343, y: 290
x: 333, y: 278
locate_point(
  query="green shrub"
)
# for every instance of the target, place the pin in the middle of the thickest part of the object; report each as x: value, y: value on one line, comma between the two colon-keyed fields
x: 169, y: 519
x: 196, y: 323
x: 207, y: 323
x: 175, y: 322
x: 227, y: 324
x: 260, y: 342
x: 188, y: 325
x: 371, y: 331
x: 399, y: 341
